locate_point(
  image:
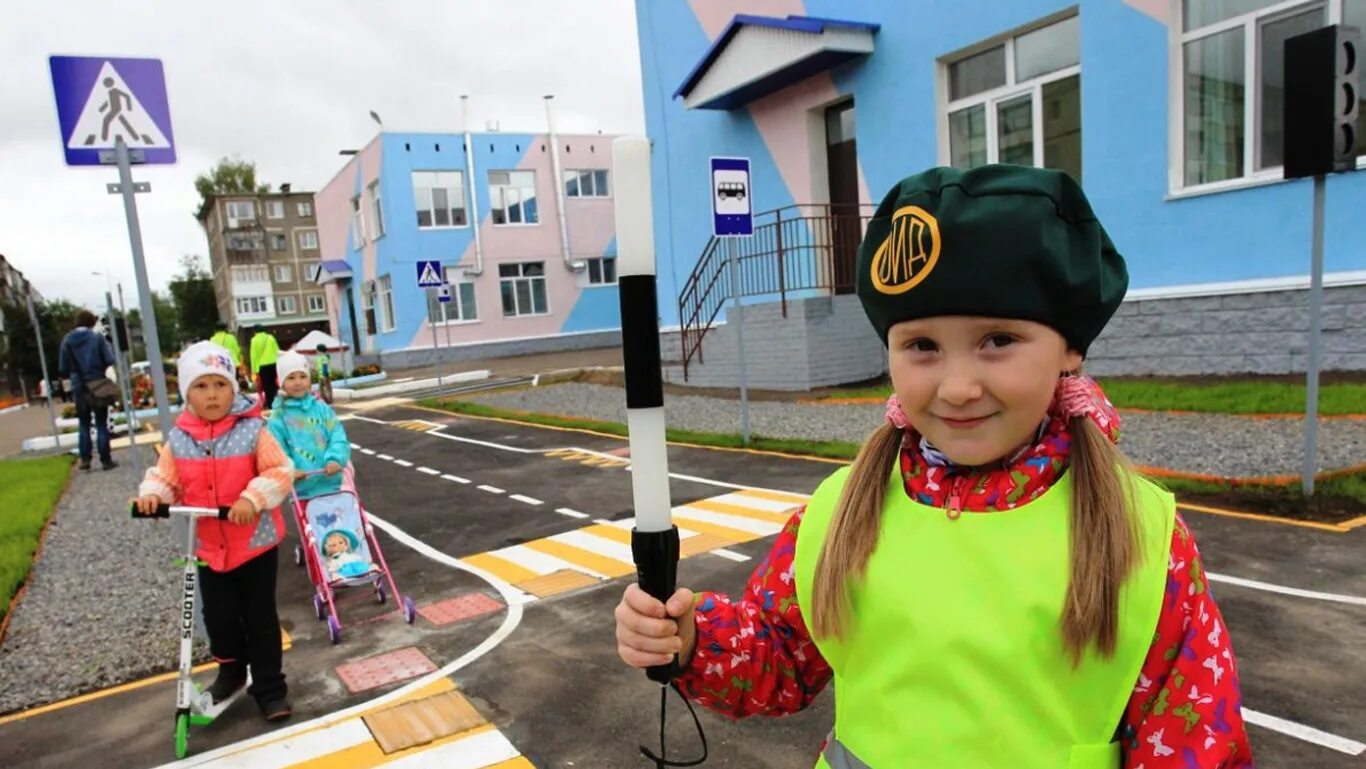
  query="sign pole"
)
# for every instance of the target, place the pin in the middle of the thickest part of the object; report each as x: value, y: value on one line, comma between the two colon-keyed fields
x: 736, y: 315
x: 124, y: 385
x: 149, y: 320
x: 1311, y: 408
x: 436, y: 350
x: 42, y: 359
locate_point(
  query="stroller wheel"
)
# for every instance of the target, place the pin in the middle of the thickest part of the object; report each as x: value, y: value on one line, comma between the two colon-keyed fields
x: 298, y: 556
x: 380, y: 595
x: 318, y: 606
x: 333, y: 630
x: 409, y: 611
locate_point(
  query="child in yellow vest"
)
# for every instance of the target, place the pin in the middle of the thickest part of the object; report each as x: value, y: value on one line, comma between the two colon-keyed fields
x: 990, y: 584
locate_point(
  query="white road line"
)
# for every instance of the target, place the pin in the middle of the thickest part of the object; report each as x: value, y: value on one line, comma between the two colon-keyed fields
x: 730, y: 555
x: 757, y: 527
x: 403, y: 463
x: 1283, y: 590
x: 385, y: 457
x: 368, y: 452
x: 369, y: 419
x: 513, y: 597
x: 626, y: 524
x: 541, y: 563
x: 594, y: 544
x: 355, y: 446
x: 492, y: 489
x: 428, y: 471
x: 475, y: 752
x: 456, y: 478
x: 528, y: 500
x: 570, y: 513
x: 1306, y: 733
x: 513, y: 449
x: 758, y: 503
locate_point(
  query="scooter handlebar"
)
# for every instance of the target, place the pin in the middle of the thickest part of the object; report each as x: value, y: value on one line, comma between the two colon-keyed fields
x: 166, y: 511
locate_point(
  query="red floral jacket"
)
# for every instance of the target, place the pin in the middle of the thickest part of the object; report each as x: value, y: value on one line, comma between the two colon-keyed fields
x: 755, y: 656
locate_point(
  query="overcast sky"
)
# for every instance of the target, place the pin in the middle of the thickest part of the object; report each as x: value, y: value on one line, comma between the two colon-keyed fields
x: 286, y: 84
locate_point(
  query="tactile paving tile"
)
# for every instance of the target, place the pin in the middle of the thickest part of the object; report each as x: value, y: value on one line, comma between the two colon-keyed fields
x: 459, y: 608
x: 561, y: 581
x: 382, y: 669
x: 422, y: 721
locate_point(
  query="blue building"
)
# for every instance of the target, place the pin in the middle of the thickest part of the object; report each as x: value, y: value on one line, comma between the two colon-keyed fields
x: 1167, y: 111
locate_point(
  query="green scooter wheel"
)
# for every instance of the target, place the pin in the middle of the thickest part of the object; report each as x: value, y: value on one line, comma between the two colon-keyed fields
x: 182, y: 735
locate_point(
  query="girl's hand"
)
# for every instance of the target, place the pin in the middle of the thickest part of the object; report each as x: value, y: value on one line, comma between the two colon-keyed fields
x: 332, y: 468
x: 148, y: 505
x: 299, y: 475
x: 648, y: 635
x: 243, y: 511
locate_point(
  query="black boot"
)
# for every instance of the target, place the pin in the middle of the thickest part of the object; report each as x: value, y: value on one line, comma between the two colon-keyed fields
x: 275, y: 707
x: 232, y: 676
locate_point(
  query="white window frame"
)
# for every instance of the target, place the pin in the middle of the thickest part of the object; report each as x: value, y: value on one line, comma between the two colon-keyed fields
x: 497, y: 196
x: 312, y: 240
x: 287, y: 304
x: 275, y: 209
x: 460, y: 190
x: 252, y: 303
x: 1251, y: 24
x: 233, y: 218
x: 273, y: 234
x: 321, y: 303
x: 578, y: 177
x: 991, y: 99
x: 284, y: 269
x: 455, y: 278
x: 304, y: 208
x: 530, y: 280
x: 586, y: 276
x: 386, y: 321
x: 376, y: 210
x: 357, y: 221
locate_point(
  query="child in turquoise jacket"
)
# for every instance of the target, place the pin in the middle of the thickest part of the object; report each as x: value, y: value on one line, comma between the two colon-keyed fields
x: 308, y: 430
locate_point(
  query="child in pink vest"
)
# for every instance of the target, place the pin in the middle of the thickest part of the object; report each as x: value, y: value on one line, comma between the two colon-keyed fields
x: 220, y: 454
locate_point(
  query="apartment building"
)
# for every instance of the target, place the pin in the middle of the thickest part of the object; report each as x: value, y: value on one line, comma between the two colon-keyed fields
x: 264, y: 254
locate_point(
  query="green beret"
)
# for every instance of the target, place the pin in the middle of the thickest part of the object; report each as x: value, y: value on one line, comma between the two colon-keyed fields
x: 998, y: 241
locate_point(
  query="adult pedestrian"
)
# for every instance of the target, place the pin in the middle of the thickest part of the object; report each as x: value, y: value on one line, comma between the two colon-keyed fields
x: 83, y: 357
x: 265, y: 349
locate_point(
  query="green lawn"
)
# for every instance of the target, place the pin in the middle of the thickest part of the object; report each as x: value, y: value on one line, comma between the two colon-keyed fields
x: 1245, y: 397
x: 27, y: 498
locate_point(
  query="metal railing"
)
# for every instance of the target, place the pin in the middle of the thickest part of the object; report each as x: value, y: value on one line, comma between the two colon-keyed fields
x: 798, y: 248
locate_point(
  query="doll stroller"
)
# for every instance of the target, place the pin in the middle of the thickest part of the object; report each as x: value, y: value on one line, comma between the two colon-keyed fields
x: 337, y: 544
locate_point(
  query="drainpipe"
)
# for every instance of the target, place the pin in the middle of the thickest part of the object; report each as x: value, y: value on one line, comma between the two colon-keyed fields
x: 473, y: 201
x: 559, y: 188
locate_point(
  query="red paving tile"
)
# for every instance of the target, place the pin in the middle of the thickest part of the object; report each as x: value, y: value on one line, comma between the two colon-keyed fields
x: 459, y: 608
x: 382, y: 669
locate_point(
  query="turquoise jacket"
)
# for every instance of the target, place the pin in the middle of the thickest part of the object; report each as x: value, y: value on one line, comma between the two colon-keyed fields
x: 309, y: 432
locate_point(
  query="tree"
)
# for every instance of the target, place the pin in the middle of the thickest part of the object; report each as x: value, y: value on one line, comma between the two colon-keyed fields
x: 195, y: 304
x: 20, y: 358
x: 231, y: 175
x: 168, y: 323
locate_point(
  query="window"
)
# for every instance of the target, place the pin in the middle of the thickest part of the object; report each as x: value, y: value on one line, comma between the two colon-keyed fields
x: 1019, y: 101
x: 602, y: 270
x: 250, y: 274
x: 246, y: 241
x: 586, y: 184
x: 253, y: 305
x: 305, y: 209
x: 357, y: 222
x: 241, y: 211
x: 278, y: 241
x: 513, y: 197
x: 461, y: 308
x: 317, y: 303
x: 275, y: 209
x: 376, y: 209
x: 1231, y: 87
x: 288, y: 305
x: 308, y: 240
x: 440, y: 198
x: 386, y: 303
x: 523, y: 288
x: 284, y: 273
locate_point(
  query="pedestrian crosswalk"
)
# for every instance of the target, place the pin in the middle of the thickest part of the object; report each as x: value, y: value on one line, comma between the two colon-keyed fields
x: 602, y: 550
x: 588, y: 458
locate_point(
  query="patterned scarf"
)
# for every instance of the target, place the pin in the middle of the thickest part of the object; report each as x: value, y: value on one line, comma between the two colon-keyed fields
x: 933, y: 479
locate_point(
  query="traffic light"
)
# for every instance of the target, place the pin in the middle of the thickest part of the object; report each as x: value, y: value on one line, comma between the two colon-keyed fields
x: 1321, y: 93
x: 120, y: 326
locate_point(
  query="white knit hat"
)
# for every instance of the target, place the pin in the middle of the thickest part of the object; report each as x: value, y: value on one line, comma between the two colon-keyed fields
x: 201, y: 359
x: 288, y: 362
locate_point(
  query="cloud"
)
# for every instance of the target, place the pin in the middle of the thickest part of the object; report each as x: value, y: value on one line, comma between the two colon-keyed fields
x: 286, y: 85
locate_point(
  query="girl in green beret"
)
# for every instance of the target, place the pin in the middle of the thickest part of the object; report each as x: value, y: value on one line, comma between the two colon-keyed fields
x: 990, y: 583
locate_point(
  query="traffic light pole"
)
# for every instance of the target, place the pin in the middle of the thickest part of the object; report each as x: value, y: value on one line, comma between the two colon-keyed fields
x: 1311, y: 407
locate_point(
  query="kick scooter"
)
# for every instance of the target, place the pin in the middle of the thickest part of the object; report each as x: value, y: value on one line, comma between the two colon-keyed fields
x: 193, y: 706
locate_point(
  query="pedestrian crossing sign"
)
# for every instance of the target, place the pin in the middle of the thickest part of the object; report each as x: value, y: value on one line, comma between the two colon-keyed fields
x: 429, y: 274
x: 101, y: 99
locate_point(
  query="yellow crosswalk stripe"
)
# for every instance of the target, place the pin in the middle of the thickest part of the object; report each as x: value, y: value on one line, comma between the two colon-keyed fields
x: 500, y: 567
x: 772, y: 496
x: 715, y: 529
x: 609, y: 532
x: 740, y: 510
x: 601, y: 564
